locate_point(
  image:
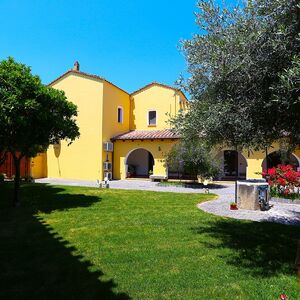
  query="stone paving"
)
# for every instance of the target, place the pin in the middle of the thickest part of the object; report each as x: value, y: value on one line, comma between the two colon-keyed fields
x: 132, y: 184
x: 279, y: 213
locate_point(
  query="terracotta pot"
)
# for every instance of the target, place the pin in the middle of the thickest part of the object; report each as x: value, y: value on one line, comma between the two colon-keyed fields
x: 233, y: 207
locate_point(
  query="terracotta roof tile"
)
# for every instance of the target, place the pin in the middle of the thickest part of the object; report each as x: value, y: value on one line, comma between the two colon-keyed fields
x: 147, y: 135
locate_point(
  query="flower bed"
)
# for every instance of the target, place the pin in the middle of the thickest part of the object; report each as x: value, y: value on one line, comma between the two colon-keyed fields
x: 284, y: 181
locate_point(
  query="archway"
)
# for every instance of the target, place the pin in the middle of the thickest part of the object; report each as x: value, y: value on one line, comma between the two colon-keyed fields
x: 275, y: 158
x: 229, y: 159
x: 139, y: 163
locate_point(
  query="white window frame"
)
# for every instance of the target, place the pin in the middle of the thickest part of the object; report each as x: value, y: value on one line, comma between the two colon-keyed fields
x: 122, y: 114
x: 148, y: 120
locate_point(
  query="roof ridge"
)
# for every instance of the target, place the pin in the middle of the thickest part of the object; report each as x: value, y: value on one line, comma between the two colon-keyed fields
x: 87, y: 75
x: 159, y: 84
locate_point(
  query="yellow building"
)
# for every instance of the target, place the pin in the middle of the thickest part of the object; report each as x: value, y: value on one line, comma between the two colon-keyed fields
x: 118, y: 130
x: 126, y: 135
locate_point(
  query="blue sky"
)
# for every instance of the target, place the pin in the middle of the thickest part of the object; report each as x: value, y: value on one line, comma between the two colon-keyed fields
x: 129, y: 42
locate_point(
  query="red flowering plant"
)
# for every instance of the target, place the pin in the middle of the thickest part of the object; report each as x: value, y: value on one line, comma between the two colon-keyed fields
x: 284, y: 181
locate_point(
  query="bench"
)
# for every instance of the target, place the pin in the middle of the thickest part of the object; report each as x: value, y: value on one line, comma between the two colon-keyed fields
x: 158, y: 177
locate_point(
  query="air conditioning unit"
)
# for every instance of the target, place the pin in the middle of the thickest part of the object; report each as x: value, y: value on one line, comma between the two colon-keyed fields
x: 108, y: 175
x: 107, y: 166
x: 108, y: 147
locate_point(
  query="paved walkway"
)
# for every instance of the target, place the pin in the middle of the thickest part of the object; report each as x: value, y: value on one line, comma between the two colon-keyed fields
x: 279, y: 213
x: 132, y: 184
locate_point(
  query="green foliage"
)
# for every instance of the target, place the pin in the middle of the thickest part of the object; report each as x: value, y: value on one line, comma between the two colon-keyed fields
x: 243, y: 67
x: 193, y: 157
x: 32, y: 115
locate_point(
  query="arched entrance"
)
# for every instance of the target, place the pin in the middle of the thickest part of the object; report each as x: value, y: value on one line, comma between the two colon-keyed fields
x: 139, y: 163
x: 276, y: 158
x: 233, y: 164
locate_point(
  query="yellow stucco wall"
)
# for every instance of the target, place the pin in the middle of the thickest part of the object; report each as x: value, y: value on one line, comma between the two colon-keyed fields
x: 255, y: 160
x: 112, y: 99
x: 155, y: 97
x: 38, y: 166
x: 254, y: 164
x: 98, y: 101
x: 82, y: 159
x: 158, y: 149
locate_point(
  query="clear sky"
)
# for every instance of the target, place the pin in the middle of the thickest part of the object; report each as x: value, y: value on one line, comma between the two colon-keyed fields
x: 128, y: 42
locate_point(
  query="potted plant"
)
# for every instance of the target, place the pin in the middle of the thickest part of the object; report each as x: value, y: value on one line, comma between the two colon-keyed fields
x: 233, y: 206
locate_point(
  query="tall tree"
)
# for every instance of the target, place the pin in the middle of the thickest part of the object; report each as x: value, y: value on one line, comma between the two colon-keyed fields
x: 236, y: 64
x: 32, y: 115
x: 194, y: 158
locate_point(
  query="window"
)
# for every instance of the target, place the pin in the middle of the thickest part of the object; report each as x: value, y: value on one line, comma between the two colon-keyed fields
x: 120, y: 115
x: 152, y: 118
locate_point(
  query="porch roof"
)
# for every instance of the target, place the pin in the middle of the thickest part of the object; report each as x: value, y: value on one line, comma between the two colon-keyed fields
x: 147, y: 135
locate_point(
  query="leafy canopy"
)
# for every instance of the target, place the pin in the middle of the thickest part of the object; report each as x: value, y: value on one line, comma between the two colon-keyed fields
x: 244, y: 74
x: 32, y: 115
x: 194, y: 158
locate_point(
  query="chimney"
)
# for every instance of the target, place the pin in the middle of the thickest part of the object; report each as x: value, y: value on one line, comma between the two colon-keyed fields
x: 76, y: 66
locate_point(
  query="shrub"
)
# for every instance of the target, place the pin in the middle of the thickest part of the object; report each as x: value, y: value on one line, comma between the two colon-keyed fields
x: 283, y: 180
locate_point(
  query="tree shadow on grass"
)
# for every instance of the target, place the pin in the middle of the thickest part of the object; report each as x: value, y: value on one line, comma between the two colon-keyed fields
x: 261, y: 249
x: 292, y: 219
x: 35, y: 263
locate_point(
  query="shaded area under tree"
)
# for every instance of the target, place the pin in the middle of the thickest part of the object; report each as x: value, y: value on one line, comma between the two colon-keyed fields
x: 263, y: 249
x: 27, y: 270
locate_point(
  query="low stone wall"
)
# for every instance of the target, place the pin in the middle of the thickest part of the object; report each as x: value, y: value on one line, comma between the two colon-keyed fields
x: 285, y: 200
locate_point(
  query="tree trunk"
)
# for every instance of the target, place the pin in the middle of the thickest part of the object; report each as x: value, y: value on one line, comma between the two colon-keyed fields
x: 17, y: 163
x: 267, y: 163
x: 236, y: 174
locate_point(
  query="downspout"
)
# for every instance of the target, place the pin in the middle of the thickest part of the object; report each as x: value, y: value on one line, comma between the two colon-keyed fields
x: 112, y: 160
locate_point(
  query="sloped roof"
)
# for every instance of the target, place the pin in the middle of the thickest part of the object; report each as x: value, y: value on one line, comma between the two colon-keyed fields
x: 92, y: 76
x: 147, y: 135
x: 158, y: 84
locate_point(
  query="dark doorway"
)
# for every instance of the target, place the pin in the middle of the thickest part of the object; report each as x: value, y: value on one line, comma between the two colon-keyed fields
x: 230, y: 162
x: 277, y: 158
x: 139, y: 163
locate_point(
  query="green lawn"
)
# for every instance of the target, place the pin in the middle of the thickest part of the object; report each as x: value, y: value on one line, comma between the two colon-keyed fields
x: 85, y: 243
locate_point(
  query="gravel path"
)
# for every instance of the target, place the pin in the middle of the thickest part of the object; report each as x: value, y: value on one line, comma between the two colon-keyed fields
x: 279, y: 213
x: 144, y: 185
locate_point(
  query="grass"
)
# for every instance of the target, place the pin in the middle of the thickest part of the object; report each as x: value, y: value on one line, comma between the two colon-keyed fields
x: 86, y: 243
